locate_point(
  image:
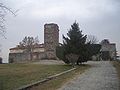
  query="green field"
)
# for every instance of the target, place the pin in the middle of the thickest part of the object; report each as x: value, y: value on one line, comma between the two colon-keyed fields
x: 13, y: 76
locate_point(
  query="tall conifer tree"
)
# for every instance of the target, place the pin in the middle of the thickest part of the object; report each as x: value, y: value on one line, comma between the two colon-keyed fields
x: 75, y: 41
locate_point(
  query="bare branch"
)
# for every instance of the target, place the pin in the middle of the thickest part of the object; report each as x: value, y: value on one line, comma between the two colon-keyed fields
x: 8, y: 9
x: 91, y: 39
x: 3, y: 12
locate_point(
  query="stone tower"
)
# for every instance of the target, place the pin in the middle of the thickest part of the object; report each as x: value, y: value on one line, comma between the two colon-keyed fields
x: 51, y: 40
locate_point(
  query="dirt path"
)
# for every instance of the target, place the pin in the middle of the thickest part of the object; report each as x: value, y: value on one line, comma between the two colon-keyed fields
x: 102, y: 76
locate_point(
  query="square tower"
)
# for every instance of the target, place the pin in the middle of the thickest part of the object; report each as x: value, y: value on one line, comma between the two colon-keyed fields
x: 51, y: 40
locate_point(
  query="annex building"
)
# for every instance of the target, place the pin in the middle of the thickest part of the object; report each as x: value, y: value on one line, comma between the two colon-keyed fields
x: 108, y: 50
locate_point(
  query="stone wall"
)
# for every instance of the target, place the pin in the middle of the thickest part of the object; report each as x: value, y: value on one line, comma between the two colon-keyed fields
x: 25, y: 57
x: 44, y: 51
x: 109, y: 49
x: 51, y: 40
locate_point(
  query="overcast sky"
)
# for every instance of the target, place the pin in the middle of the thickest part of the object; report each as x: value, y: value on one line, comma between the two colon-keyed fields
x: 95, y: 17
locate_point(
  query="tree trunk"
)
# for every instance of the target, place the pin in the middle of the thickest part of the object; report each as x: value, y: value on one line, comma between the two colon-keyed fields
x: 31, y: 56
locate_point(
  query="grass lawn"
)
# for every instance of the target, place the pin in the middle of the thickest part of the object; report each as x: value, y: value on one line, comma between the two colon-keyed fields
x: 13, y: 76
x: 61, y: 80
x: 116, y: 64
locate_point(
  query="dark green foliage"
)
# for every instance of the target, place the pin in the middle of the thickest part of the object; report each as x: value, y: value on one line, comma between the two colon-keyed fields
x: 74, y: 43
x: 92, y: 49
x: 60, y: 54
x: 0, y: 60
x: 89, y: 51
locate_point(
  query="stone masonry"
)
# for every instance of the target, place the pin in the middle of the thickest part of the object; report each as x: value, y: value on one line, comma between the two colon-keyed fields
x: 51, y: 40
x: 41, y: 51
x: 109, y: 49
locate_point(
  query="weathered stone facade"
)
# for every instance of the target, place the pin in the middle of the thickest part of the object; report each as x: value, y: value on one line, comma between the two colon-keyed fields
x: 51, y: 40
x: 41, y: 51
x: 108, y: 50
x: 19, y: 54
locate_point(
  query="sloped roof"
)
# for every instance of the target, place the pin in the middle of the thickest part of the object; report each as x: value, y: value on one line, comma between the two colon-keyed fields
x: 22, y: 47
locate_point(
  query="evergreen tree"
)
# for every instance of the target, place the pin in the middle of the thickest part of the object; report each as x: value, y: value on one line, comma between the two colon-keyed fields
x: 74, y: 43
x: 92, y: 49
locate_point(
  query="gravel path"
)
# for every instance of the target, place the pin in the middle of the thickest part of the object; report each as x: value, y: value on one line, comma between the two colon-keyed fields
x: 102, y: 76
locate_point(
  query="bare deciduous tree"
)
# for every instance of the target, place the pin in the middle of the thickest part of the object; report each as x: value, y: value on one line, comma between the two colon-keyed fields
x: 3, y: 12
x: 28, y: 43
x: 91, y: 39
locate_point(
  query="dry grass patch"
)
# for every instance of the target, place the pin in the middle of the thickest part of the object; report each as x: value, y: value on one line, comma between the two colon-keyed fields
x: 13, y: 76
x: 61, y: 80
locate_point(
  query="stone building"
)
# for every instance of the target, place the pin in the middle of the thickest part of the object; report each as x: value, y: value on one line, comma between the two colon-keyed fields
x: 19, y: 54
x: 40, y: 51
x: 108, y: 50
x: 51, y: 40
